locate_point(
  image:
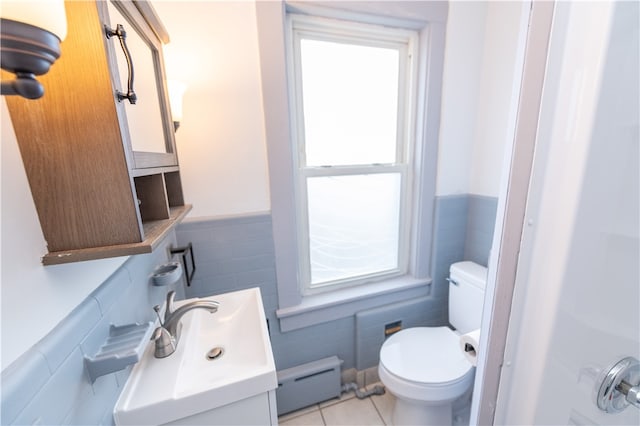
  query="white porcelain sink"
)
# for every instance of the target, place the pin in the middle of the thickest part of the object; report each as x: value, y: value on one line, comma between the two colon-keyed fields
x: 187, y: 382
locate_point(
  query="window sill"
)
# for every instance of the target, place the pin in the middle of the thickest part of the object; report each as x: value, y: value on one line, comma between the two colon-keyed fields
x: 325, y: 307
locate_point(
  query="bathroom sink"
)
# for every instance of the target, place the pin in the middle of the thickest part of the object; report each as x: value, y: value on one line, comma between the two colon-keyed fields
x: 221, y: 358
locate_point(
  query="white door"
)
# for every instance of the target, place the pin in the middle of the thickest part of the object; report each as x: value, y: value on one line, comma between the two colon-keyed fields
x: 576, y: 304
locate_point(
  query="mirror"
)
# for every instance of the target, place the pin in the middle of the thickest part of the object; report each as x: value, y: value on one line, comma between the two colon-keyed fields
x: 150, y: 128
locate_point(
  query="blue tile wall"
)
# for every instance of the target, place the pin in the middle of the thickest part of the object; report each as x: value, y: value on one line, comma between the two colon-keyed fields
x: 450, y: 230
x: 480, y: 223
x: 49, y: 383
x: 370, y: 325
x: 233, y: 254
x: 237, y: 253
x: 21, y: 382
x: 463, y: 230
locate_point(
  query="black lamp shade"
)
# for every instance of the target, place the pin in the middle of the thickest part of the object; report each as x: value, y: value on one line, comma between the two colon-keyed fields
x: 26, y: 51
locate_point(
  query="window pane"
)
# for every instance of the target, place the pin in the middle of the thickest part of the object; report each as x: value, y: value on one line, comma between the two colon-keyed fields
x: 350, y: 102
x: 353, y: 225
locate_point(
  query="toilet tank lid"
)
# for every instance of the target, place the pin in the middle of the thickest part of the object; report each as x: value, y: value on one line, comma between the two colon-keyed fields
x: 469, y: 272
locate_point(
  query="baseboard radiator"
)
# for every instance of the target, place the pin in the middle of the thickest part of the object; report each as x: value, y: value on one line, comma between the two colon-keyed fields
x: 308, y: 384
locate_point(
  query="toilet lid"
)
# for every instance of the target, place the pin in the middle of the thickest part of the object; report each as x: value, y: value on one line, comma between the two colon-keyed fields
x: 426, y: 355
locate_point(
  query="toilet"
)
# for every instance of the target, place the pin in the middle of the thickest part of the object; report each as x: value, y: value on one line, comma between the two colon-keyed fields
x: 424, y: 367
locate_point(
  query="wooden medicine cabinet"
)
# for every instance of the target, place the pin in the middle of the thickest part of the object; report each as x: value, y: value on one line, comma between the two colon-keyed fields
x: 104, y: 175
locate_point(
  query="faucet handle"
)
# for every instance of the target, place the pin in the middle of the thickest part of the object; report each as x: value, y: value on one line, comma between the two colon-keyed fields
x: 169, y: 306
x: 157, y: 310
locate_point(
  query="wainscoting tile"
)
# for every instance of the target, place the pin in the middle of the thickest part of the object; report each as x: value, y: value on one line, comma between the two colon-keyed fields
x: 21, y: 381
x: 237, y: 252
x: 89, y: 408
x: 224, y: 222
x: 49, y: 383
x: 211, y: 250
x: 111, y: 290
x: 94, y: 340
x: 68, y: 334
x: 370, y: 326
x: 253, y: 231
x: 122, y: 376
x: 480, y: 228
x: 107, y: 418
x: 315, y: 342
x: 259, y: 278
x: 253, y: 248
x: 57, y: 397
x: 140, y: 269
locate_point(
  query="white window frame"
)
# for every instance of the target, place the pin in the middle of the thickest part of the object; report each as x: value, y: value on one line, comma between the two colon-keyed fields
x: 301, y: 27
x: 295, y: 310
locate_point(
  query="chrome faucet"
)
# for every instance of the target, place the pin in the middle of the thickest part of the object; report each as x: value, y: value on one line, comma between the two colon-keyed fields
x: 168, y: 334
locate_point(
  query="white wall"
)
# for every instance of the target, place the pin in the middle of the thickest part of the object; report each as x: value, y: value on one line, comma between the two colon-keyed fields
x: 221, y: 142
x: 480, y: 57
x: 221, y: 138
x: 495, y: 96
x: 220, y: 146
x: 33, y: 298
x: 464, y: 47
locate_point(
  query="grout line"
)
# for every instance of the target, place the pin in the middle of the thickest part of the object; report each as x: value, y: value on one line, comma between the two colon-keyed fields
x: 295, y: 414
x: 324, y: 422
x: 378, y: 411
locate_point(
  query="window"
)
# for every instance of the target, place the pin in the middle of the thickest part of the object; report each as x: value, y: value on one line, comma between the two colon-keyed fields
x: 351, y: 90
x: 390, y: 25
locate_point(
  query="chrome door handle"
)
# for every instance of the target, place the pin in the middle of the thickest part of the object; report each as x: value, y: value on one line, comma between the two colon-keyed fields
x: 631, y: 393
x: 617, y: 391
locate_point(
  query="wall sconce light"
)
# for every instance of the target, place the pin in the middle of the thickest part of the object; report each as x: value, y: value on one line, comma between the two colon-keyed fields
x: 30, y: 36
x: 176, y: 93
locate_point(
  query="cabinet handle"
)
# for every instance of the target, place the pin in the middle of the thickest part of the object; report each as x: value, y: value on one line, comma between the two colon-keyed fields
x: 122, y: 36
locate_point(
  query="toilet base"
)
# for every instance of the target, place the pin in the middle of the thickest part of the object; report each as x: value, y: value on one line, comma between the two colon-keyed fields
x: 408, y: 412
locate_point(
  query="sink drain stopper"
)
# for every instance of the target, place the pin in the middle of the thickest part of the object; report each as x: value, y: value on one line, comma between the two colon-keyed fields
x: 215, y: 353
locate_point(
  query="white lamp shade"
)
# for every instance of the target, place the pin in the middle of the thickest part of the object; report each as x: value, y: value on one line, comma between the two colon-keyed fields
x: 49, y: 15
x: 176, y: 92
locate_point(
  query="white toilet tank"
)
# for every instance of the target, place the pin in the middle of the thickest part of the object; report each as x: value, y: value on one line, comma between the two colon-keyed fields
x: 466, y: 295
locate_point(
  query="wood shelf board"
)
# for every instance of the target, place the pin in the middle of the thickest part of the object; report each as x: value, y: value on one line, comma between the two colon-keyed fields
x: 155, y: 231
x: 173, y: 184
x: 153, y: 171
x: 152, y: 198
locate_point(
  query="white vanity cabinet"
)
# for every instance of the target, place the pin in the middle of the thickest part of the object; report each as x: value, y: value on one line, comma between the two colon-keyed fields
x: 236, y: 387
x: 256, y: 410
x: 104, y: 175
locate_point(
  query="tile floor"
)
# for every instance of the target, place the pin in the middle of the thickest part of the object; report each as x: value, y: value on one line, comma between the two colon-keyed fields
x: 351, y: 411
x: 346, y: 410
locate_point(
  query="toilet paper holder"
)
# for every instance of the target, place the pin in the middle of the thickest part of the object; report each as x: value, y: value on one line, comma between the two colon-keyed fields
x: 468, y: 347
x: 189, y: 267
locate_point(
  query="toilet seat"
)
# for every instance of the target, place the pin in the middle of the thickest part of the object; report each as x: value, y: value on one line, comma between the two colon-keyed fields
x: 425, y: 363
x: 429, y: 355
